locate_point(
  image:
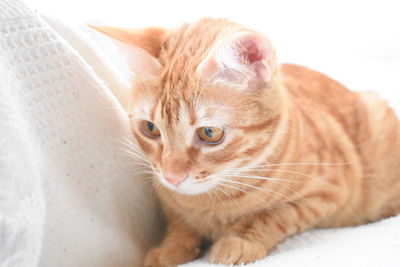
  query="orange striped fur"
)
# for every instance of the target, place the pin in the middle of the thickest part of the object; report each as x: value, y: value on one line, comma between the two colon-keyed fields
x: 300, y: 152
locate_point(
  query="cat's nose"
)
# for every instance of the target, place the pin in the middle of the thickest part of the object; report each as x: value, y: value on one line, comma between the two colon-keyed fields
x: 175, y: 180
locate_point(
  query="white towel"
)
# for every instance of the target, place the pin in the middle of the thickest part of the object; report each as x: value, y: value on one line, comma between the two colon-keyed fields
x: 371, y: 245
x: 61, y: 152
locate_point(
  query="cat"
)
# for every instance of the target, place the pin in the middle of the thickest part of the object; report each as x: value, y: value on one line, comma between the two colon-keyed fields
x: 246, y: 151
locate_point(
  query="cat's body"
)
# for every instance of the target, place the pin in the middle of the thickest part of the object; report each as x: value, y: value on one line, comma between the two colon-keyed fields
x: 300, y: 152
x: 363, y: 134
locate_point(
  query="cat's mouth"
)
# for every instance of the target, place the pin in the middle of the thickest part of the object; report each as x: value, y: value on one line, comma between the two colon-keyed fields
x: 187, y: 186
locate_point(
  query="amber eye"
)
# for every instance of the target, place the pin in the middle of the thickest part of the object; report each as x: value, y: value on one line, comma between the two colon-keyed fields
x: 211, y: 135
x: 149, y: 129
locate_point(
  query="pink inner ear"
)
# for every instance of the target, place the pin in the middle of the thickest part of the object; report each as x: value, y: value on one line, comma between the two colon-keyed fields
x: 255, y: 52
x: 250, y: 51
x: 243, y: 57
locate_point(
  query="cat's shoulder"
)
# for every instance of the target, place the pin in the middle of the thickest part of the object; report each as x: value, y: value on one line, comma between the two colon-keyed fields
x: 303, y: 80
x: 304, y: 74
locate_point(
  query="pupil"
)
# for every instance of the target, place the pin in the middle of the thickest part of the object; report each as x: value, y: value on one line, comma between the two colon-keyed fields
x: 208, y: 132
x: 150, y: 125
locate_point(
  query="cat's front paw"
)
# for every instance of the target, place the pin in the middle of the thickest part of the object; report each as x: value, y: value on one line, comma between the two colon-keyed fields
x: 235, y: 250
x: 170, y: 256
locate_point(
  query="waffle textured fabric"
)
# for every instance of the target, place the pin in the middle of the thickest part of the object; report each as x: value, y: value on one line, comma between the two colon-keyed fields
x: 69, y: 193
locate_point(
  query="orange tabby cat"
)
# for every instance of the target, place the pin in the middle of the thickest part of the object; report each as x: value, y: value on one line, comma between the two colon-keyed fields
x: 247, y: 152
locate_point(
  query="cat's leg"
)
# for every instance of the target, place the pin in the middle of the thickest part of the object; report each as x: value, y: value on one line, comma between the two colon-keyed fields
x: 255, y: 235
x: 180, y: 245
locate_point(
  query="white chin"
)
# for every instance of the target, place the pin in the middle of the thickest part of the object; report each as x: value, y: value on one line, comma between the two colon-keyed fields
x: 189, y: 186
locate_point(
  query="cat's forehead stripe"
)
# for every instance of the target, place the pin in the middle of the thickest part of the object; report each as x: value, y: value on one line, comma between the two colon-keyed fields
x: 192, y: 116
x: 153, y: 112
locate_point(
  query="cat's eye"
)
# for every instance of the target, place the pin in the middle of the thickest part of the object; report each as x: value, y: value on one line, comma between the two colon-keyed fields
x: 149, y: 129
x: 211, y: 135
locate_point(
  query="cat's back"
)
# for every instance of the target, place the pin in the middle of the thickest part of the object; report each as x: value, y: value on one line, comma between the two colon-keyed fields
x: 317, y: 96
x: 364, y: 116
x: 314, y: 90
x: 370, y: 124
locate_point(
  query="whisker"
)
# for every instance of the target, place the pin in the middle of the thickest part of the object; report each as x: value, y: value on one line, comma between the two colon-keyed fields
x: 218, y: 197
x: 258, y: 177
x: 227, y: 184
x: 275, y: 181
x: 287, y: 171
x: 136, y: 155
x: 140, y: 166
x: 300, y: 163
x: 272, y: 180
x: 137, y: 161
x: 132, y: 149
x: 147, y: 174
x: 260, y: 189
x: 129, y: 143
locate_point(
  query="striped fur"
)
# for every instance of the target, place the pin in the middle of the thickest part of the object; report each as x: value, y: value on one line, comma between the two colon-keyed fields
x: 300, y: 152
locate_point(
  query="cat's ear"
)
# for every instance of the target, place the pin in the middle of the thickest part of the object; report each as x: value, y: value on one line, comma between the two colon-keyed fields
x: 145, y: 45
x: 244, y: 59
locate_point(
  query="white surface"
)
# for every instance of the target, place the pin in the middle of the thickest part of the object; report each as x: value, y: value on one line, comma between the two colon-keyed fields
x: 354, y: 41
x: 371, y: 245
x: 60, y: 153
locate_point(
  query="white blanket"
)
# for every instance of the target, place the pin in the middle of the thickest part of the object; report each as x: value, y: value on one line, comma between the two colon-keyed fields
x: 69, y: 195
x: 372, y: 245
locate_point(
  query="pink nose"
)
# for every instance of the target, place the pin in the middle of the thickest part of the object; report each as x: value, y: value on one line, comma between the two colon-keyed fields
x: 176, y: 181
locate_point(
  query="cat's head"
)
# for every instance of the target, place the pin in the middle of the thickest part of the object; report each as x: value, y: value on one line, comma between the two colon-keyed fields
x: 205, y: 100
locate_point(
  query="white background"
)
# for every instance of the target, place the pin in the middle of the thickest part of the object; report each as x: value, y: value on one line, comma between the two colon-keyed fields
x: 355, y: 42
